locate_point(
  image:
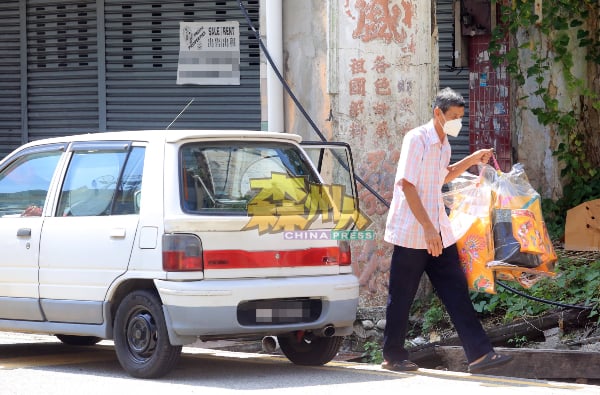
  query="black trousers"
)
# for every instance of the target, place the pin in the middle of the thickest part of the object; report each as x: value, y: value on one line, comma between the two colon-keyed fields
x: 450, y: 284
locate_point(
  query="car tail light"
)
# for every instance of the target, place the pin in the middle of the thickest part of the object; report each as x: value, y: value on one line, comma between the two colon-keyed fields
x: 182, y: 252
x: 345, y: 258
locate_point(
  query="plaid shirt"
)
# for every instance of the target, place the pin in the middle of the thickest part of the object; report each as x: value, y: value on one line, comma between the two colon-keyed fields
x: 424, y: 163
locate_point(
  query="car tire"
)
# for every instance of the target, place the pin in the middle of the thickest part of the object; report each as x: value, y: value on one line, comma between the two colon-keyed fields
x: 309, y: 351
x: 73, y: 340
x: 141, y: 339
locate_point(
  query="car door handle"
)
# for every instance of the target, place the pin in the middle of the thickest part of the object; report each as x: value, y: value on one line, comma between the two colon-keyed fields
x: 117, y: 233
x: 24, y: 232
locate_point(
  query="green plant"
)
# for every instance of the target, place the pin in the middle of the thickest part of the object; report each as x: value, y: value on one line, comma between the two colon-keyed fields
x: 575, y: 283
x: 433, y: 317
x: 563, y: 25
x: 518, y: 341
x: 372, y: 352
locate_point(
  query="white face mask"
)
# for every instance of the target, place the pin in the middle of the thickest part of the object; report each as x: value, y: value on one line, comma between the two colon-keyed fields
x: 452, y: 128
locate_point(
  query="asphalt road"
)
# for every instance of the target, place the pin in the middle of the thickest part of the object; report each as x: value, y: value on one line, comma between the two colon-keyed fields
x: 31, y: 364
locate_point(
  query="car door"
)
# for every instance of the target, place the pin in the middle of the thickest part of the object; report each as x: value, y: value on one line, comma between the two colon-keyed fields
x: 25, y: 180
x: 88, y: 241
x: 335, y: 165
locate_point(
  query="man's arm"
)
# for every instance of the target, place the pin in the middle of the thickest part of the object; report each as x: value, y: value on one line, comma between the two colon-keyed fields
x: 481, y: 156
x: 432, y: 236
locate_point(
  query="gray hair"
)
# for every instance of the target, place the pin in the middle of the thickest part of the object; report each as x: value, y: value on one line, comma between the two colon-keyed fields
x: 447, y: 98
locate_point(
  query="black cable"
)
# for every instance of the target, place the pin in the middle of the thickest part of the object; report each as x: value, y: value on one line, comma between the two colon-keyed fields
x: 297, y: 102
x: 568, y: 306
x: 363, y: 183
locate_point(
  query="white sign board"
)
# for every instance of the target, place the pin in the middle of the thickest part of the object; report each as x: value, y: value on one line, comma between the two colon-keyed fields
x: 209, y: 53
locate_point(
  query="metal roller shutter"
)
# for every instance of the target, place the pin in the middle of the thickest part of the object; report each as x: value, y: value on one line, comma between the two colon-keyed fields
x: 455, y: 78
x: 97, y: 65
x: 142, y: 49
x: 10, y: 78
x: 62, y: 68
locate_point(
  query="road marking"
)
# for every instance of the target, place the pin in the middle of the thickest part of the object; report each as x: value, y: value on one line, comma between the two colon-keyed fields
x: 103, y: 354
x: 56, y: 359
x: 497, y: 381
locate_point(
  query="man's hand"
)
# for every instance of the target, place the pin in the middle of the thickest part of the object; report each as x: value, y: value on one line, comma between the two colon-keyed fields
x: 478, y: 157
x: 433, y: 241
x: 32, y: 211
x: 482, y: 156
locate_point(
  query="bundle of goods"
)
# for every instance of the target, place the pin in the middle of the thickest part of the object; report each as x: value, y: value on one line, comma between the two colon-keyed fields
x: 501, y: 234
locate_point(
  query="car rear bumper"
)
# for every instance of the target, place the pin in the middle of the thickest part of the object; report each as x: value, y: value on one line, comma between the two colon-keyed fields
x: 211, y: 308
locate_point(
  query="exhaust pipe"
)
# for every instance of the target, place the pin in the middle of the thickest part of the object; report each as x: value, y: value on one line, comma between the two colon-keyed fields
x: 270, y: 344
x: 327, y: 331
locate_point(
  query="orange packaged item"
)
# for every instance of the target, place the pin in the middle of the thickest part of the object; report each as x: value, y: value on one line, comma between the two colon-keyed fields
x: 535, y: 257
x: 470, y: 219
x: 475, y: 250
x: 526, y: 229
x: 501, y: 235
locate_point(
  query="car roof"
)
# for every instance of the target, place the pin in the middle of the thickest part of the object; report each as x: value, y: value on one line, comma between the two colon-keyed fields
x: 170, y: 136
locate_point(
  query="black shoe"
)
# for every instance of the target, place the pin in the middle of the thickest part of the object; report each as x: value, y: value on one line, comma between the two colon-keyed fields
x: 490, y: 360
x: 400, y: 366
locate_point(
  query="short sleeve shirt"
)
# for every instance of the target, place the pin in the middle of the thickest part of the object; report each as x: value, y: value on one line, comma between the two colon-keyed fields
x: 424, y: 163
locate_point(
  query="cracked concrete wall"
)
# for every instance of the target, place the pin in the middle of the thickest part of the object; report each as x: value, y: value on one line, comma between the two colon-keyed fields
x: 305, y: 33
x: 533, y: 142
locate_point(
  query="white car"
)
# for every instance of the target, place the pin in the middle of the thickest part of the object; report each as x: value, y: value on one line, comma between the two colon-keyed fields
x: 156, y: 239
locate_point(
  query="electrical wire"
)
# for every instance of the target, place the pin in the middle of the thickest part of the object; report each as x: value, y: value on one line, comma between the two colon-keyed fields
x: 363, y: 183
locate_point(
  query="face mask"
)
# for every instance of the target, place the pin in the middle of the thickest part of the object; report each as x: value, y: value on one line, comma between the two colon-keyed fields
x: 452, y: 128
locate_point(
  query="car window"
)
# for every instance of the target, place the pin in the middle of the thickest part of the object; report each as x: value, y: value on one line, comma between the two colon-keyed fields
x: 90, y: 183
x: 24, y: 183
x: 224, y: 177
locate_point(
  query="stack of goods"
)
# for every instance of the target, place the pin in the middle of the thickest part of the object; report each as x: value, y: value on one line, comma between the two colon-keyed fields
x: 501, y: 234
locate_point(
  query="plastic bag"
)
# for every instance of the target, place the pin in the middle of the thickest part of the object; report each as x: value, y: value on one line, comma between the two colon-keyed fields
x: 470, y: 218
x: 525, y: 253
x: 497, y: 221
x: 513, y: 191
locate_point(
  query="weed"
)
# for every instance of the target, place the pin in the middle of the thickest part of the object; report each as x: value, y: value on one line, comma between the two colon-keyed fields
x: 576, y: 283
x: 372, y: 352
x: 518, y: 341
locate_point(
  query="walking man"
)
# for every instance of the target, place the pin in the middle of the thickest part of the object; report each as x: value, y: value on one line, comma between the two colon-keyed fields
x: 418, y: 227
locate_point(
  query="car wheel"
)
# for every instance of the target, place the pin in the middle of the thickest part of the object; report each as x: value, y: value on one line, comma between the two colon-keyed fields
x: 72, y: 340
x: 141, y: 338
x: 303, y: 350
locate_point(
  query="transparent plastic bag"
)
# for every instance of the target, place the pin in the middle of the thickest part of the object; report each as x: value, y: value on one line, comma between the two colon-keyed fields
x: 469, y: 205
x: 523, y: 251
x: 497, y: 221
x: 524, y: 242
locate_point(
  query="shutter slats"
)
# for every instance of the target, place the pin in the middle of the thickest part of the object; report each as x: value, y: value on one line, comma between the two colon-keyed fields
x: 62, y: 76
x: 10, y: 77
x: 141, y: 54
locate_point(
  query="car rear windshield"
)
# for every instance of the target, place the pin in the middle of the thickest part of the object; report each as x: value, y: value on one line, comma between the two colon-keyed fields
x: 226, y: 177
